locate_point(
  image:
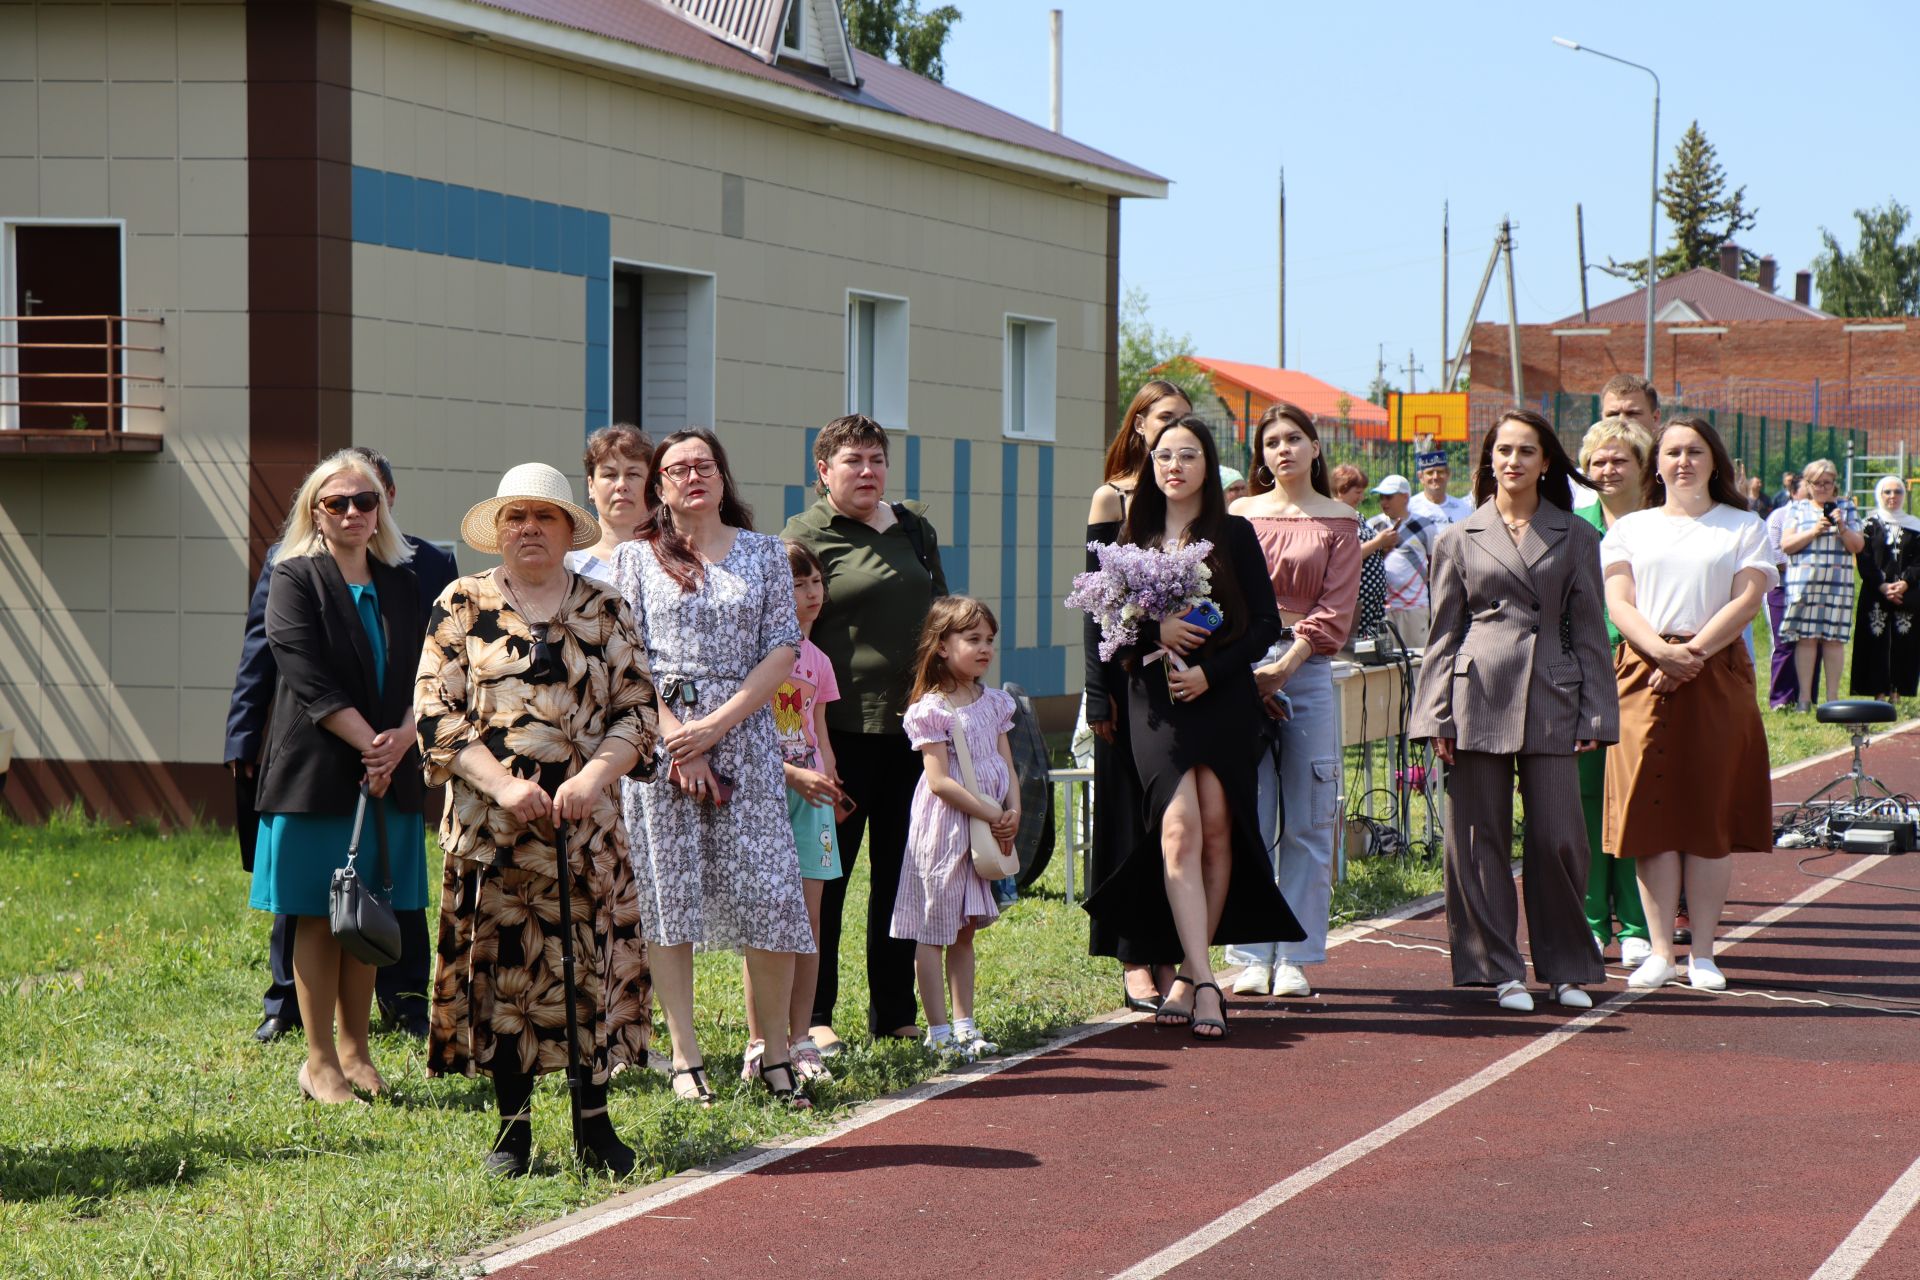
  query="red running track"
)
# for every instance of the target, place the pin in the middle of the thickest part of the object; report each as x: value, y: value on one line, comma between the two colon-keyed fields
x: 1392, y: 1126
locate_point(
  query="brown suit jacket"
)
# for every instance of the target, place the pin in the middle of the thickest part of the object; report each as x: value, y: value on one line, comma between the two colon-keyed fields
x: 1517, y: 662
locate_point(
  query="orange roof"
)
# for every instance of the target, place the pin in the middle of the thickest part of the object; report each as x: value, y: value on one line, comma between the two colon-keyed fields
x: 1321, y: 399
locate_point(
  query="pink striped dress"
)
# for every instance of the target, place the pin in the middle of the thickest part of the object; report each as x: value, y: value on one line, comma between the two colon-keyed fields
x: 939, y: 891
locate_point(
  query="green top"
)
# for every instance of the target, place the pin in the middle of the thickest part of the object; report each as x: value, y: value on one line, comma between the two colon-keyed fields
x: 877, y: 600
x: 1596, y: 516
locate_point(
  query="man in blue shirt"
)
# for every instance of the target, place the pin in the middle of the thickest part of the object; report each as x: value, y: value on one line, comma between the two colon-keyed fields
x: 401, y: 988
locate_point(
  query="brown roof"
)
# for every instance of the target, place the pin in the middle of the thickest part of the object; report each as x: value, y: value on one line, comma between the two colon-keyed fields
x: 1716, y: 297
x: 884, y: 86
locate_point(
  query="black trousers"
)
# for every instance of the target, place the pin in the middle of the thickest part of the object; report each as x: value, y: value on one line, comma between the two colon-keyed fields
x: 879, y: 771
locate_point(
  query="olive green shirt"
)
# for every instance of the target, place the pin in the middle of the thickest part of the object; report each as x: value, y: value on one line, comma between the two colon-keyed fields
x: 878, y: 595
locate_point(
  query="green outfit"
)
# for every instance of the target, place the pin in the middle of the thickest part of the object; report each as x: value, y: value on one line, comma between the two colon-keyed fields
x: 1612, y: 891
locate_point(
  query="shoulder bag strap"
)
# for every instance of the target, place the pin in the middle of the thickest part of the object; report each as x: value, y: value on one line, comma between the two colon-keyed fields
x: 915, y: 535
x: 962, y: 752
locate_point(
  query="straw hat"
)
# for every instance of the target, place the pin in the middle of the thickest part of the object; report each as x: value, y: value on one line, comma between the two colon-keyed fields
x: 528, y: 482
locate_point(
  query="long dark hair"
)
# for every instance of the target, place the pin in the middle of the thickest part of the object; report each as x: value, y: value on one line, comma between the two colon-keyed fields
x: 1556, y: 486
x: 1129, y: 447
x: 1720, y: 486
x: 670, y: 547
x: 1146, y: 522
x: 1276, y: 412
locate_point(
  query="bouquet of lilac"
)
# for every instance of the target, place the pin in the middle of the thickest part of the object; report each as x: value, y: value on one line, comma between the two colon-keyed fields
x: 1135, y: 584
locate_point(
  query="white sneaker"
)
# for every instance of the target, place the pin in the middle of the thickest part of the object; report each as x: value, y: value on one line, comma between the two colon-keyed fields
x: 1599, y: 944
x: 1254, y: 980
x: 1634, y: 952
x: 1571, y: 997
x: 1651, y: 973
x: 1288, y: 980
x: 1513, y: 996
x: 1704, y: 975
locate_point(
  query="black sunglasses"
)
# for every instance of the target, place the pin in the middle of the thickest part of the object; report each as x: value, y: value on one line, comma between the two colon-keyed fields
x: 365, y: 500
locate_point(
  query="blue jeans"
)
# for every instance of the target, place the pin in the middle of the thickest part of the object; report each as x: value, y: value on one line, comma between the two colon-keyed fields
x: 1309, y: 784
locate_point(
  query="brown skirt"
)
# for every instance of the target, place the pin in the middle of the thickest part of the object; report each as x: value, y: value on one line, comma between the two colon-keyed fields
x: 1690, y: 771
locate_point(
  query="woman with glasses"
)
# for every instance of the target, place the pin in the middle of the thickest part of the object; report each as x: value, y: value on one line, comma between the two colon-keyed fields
x: 1886, y: 641
x: 1820, y: 537
x: 344, y: 626
x: 1201, y: 875
x: 712, y: 848
x: 533, y: 698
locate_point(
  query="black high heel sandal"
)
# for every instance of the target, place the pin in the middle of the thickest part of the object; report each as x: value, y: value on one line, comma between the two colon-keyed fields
x: 1139, y: 1004
x: 702, y: 1091
x: 1165, y: 1017
x: 789, y: 1096
x: 1197, y: 1022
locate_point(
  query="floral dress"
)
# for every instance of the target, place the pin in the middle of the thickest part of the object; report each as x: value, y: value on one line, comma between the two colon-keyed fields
x: 717, y: 875
x: 1820, y: 585
x: 500, y: 989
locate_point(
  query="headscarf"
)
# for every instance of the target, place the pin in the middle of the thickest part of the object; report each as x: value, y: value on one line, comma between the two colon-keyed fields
x: 1902, y: 519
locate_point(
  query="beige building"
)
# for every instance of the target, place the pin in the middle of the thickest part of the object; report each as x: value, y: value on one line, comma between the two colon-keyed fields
x: 467, y: 233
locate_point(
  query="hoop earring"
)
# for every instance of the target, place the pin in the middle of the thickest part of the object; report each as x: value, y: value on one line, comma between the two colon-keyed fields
x: 1269, y: 470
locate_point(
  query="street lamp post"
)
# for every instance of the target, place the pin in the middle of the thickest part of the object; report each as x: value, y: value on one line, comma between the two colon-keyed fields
x: 1653, y: 212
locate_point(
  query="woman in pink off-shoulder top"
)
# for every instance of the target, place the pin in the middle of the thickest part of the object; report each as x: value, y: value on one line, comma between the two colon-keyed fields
x: 1312, y: 546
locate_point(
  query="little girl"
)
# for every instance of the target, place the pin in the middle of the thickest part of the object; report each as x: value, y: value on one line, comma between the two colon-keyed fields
x: 941, y: 900
x: 813, y: 790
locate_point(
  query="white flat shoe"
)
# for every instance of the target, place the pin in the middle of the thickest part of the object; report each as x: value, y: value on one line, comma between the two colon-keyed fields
x: 1651, y: 973
x: 1571, y: 997
x: 1288, y: 980
x: 1513, y: 996
x: 1634, y: 951
x: 1254, y: 980
x: 1704, y: 975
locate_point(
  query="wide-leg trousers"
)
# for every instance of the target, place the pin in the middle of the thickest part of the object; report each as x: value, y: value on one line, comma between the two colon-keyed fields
x: 1482, y: 907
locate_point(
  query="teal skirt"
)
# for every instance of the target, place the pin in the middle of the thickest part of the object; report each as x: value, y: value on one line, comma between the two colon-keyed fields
x: 294, y: 861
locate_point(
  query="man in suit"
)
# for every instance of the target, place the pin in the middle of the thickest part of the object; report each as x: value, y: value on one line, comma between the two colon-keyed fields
x: 400, y: 989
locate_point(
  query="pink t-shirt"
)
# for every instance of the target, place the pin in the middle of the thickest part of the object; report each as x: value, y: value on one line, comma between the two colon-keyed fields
x: 811, y: 683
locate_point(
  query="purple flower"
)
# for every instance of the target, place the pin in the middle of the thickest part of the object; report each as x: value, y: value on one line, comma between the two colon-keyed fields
x: 1135, y: 584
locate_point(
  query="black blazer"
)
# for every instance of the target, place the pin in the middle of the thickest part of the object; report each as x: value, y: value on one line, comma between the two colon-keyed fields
x: 326, y: 665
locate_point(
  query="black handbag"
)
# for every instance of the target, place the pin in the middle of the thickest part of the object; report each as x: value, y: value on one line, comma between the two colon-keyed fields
x: 362, y: 918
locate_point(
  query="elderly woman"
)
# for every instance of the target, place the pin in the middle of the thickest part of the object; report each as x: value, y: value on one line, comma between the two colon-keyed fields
x: 533, y: 699
x: 883, y: 574
x: 1820, y: 536
x: 1886, y: 644
x: 617, y: 460
x: 343, y: 623
x: 713, y: 851
x: 1613, y: 454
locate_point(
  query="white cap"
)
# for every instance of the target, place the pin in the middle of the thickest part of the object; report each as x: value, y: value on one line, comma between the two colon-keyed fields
x: 1393, y: 484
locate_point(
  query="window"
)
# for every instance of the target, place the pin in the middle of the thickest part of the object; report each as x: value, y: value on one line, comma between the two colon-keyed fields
x: 1029, y: 378
x: 663, y: 347
x: 877, y: 358
x: 796, y: 29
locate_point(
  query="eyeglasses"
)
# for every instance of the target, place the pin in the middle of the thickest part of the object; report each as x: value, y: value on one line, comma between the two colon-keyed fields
x: 365, y: 500
x: 679, y: 471
x: 1183, y: 457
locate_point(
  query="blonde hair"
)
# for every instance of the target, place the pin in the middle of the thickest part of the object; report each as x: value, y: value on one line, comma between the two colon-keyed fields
x: 1817, y: 468
x: 301, y: 535
x: 1624, y: 430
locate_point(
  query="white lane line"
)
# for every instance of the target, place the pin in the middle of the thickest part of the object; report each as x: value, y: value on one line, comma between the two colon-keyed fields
x: 1248, y: 1212
x: 1881, y: 1221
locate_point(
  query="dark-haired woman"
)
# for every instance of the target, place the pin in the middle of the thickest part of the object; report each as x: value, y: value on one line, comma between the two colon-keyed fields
x: 1311, y: 541
x: 1117, y: 830
x: 1688, y: 782
x: 714, y: 858
x: 1201, y: 876
x: 1517, y: 680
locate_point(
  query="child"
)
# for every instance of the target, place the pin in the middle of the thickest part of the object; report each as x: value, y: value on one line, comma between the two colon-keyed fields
x: 941, y: 900
x: 813, y: 791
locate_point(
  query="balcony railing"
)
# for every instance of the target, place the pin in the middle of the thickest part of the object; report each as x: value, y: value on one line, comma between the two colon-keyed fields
x: 65, y: 384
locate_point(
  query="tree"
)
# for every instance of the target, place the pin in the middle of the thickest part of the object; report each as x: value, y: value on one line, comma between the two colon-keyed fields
x: 1147, y: 352
x: 1702, y: 214
x: 1881, y: 277
x: 915, y: 40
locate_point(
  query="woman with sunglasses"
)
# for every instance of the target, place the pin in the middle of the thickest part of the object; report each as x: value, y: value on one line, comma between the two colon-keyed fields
x: 533, y: 699
x: 712, y: 848
x: 344, y: 626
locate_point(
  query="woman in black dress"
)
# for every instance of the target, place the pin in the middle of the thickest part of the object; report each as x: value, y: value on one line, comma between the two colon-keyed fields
x: 1194, y: 734
x: 1886, y: 639
x: 1146, y: 963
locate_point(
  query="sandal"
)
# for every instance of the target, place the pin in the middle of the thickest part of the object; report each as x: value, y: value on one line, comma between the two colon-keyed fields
x: 697, y: 1090
x: 750, y: 1063
x: 790, y: 1095
x: 806, y: 1058
x: 1197, y: 1022
x: 1165, y: 1015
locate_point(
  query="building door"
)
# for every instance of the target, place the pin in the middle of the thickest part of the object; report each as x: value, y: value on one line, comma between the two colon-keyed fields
x: 65, y: 366
x: 663, y: 348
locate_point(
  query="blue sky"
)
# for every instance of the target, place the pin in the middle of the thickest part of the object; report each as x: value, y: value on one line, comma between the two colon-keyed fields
x: 1379, y: 112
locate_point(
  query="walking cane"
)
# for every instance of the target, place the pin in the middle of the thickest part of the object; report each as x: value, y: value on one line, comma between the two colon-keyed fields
x: 574, y: 1082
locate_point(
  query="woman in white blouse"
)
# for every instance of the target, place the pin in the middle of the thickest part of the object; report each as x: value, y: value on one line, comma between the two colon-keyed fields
x: 1688, y: 783
x: 617, y: 460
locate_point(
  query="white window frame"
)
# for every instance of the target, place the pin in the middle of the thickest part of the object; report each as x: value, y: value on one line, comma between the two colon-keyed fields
x: 803, y: 9
x: 1029, y: 411
x: 893, y: 326
x: 702, y: 336
x: 10, y: 332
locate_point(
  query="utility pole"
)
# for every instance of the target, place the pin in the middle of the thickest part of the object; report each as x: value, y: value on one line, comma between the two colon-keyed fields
x: 1281, y: 282
x: 1513, y: 318
x: 1445, y: 266
x: 1053, y: 23
x: 1380, y: 367
x: 1580, y: 233
x: 1459, y: 360
x: 1410, y: 368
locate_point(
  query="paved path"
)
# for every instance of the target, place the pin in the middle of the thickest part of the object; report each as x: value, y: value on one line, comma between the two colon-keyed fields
x: 1391, y: 1126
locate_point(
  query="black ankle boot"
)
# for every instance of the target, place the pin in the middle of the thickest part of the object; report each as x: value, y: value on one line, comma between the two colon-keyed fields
x: 598, y: 1146
x: 513, y: 1147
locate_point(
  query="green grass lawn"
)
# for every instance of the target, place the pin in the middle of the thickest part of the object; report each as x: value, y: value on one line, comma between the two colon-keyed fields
x: 1792, y: 736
